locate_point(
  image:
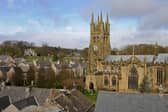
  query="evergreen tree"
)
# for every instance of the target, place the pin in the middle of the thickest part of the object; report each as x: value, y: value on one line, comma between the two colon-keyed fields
x: 145, y: 85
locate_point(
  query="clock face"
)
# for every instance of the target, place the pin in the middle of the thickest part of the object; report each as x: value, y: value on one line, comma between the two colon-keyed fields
x: 95, y: 48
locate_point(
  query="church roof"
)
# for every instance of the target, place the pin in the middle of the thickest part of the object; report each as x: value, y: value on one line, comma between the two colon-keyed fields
x: 161, y: 58
x: 129, y: 102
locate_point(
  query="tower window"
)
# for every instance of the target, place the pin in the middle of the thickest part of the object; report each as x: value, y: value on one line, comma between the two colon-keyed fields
x: 159, y: 76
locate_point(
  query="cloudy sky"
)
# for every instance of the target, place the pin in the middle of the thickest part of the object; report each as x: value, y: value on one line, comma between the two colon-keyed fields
x: 66, y: 23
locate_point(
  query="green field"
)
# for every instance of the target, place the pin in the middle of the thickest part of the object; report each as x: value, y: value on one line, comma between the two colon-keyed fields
x: 91, y: 96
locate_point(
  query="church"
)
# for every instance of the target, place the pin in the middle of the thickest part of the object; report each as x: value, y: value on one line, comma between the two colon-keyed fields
x: 123, y: 73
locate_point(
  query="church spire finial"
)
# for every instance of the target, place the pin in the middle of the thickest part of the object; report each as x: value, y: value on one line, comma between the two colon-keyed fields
x: 101, y: 18
x: 92, y: 18
x: 133, y: 50
x: 107, y: 19
x: 98, y: 19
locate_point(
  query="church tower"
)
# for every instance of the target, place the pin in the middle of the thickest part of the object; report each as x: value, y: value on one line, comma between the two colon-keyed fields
x: 99, y: 46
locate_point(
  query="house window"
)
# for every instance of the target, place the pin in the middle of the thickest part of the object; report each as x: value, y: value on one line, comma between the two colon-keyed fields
x: 159, y: 76
x: 106, y: 82
x: 114, y: 81
x: 133, y: 79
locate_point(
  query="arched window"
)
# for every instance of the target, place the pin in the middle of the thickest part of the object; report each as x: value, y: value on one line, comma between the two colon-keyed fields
x: 114, y: 81
x: 91, y: 86
x: 106, y: 82
x: 159, y: 76
x: 133, y: 79
x: 94, y: 39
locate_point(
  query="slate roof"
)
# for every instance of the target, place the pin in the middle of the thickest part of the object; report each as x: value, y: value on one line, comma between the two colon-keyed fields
x: 19, y: 93
x: 53, y: 108
x: 44, y: 63
x: 62, y: 66
x: 4, y: 102
x: 30, y: 101
x: 161, y: 58
x: 125, y: 102
x: 4, y: 69
x: 75, y: 102
x: 5, y: 57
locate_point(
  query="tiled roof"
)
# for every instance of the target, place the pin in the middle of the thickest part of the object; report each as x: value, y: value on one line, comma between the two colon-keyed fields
x: 4, y: 102
x: 125, y: 102
x: 30, y: 101
x: 19, y: 93
x: 4, y: 69
x: 75, y: 102
x: 53, y: 108
x: 5, y: 57
x: 43, y: 63
x: 162, y: 58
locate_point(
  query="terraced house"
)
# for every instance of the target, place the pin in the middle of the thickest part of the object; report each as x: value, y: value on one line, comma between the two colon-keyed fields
x: 121, y: 72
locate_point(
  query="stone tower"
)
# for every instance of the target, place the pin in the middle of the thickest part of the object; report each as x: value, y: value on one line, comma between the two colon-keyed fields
x: 99, y: 41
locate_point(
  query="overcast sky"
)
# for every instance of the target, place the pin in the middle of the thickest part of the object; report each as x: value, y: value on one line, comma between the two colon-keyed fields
x: 66, y: 23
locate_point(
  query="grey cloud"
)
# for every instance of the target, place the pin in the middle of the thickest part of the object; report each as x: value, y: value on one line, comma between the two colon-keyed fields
x: 124, y: 8
x: 156, y: 20
x: 151, y: 14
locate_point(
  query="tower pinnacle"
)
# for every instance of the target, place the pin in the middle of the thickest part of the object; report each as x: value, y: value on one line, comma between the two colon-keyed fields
x: 107, y: 21
x: 92, y: 18
x: 98, y: 19
x: 101, y: 18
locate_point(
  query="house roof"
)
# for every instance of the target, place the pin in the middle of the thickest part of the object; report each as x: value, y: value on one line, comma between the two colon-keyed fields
x: 43, y: 63
x: 48, y: 108
x: 30, y: 101
x: 4, y: 102
x: 4, y: 69
x: 5, y: 57
x: 75, y: 102
x: 19, y: 93
x: 125, y: 102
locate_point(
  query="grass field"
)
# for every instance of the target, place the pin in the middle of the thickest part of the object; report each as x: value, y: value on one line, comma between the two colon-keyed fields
x: 91, y: 96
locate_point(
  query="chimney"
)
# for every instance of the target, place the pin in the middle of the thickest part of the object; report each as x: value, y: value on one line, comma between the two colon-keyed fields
x: 27, y: 90
x: 2, y: 86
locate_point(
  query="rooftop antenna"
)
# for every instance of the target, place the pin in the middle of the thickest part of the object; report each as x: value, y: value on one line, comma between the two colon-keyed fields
x: 133, y: 53
x: 133, y: 50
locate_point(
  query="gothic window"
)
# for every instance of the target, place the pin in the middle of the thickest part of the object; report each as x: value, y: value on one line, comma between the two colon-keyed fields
x: 106, y: 82
x: 94, y: 39
x: 91, y: 86
x: 159, y: 76
x: 114, y: 81
x: 133, y: 79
